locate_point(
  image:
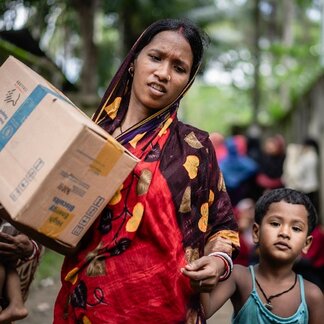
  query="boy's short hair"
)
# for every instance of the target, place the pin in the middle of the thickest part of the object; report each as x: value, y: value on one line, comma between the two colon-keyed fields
x: 290, y: 196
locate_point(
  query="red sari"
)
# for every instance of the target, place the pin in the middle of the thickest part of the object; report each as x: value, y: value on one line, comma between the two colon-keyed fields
x: 128, y: 267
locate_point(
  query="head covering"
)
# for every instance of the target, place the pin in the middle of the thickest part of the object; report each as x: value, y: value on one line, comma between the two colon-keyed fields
x: 114, y: 103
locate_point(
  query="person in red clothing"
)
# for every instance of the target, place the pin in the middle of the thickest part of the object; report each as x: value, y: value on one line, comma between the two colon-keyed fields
x: 271, y: 163
x: 311, y: 264
x: 244, y: 212
x: 170, y: 210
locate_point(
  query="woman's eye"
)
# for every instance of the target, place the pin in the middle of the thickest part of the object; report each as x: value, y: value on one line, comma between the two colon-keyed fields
x: 155, y: 57
x: 179, y: 69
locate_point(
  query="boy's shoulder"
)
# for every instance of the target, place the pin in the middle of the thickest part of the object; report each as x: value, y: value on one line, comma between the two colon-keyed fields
x: 315, y: 301
x: 240, y: 269
x: 242, y: 276
x: 312, y: 292
x: 243, y: 283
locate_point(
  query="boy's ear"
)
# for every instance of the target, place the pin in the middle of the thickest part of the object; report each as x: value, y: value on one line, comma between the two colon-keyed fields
x: 255, y: 233
x: 308, y: 243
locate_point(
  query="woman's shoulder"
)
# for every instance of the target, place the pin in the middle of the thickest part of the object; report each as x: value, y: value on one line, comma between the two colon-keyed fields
x: 187, y: 128
x: 187, y: 131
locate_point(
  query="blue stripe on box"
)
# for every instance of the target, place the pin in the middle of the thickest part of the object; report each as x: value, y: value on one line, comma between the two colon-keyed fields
x: 24, y: 110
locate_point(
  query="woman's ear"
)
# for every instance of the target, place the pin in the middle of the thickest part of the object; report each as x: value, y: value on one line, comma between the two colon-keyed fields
x: 308, y: 243
x: 131, y: 69
x: 255, y: 233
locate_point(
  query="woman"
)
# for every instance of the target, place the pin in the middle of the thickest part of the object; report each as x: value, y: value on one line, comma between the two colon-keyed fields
x: 128, y: 269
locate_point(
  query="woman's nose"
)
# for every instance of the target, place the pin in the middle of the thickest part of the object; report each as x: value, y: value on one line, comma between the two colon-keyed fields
x: 163, y: 72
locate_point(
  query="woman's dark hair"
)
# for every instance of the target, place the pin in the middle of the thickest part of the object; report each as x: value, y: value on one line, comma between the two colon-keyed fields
x: 290, y: 196
x: 197, y: 39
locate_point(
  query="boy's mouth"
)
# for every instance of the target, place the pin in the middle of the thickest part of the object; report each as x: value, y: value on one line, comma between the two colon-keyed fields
x: 282, y: 245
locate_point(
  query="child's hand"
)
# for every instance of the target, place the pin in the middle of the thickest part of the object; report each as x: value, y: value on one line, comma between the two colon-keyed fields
x: 204, y: 273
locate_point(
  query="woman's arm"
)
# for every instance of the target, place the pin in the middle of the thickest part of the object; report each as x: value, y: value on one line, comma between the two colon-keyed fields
x: 222, y: 234
x: 211, y: 210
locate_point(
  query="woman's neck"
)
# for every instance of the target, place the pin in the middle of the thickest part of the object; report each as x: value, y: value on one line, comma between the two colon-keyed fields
x: 132, y: 117
x: 130, y: 120
x: 135, y: 113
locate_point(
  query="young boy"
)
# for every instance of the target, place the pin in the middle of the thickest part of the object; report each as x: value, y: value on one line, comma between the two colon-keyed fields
x: 270, y: 292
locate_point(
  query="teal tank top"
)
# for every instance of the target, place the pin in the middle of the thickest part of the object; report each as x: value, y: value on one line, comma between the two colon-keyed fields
x: 253, y: 310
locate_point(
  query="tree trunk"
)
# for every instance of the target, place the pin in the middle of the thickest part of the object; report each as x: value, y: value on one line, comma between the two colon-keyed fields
x: 128, y: 22
x: 287, y: 41
x: 86, y: 10
x: 256, y: 62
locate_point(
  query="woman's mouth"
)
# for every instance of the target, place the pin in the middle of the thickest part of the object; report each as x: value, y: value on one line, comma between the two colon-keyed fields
x: 157, y: 87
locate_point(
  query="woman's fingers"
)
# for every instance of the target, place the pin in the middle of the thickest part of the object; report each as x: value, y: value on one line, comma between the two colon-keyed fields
x: 204, y: 272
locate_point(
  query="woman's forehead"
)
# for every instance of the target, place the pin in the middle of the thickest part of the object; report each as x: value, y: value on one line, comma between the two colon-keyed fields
x: 171, y: 42
x: 170, y: 37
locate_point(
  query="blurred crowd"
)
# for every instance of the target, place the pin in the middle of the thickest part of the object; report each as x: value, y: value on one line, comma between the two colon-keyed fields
x: 251, y: 165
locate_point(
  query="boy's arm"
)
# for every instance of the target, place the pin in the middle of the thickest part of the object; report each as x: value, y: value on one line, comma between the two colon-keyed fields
x: 315, y: 303
x: 215, y: 299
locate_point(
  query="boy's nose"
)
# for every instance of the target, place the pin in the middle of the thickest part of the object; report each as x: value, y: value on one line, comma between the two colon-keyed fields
x: 284, y: 232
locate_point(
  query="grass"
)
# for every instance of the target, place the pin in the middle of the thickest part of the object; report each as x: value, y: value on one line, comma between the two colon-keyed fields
x: 50, y: 265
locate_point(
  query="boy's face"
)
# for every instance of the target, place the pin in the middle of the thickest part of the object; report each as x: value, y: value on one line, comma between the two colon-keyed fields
x: 282, y: 235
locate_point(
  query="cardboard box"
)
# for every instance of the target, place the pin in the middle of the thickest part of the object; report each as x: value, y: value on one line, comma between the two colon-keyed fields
x: 58, y: 168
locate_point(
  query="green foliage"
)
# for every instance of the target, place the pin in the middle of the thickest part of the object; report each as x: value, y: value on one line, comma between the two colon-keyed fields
x: 50, y: 265
x: 289, y: 68
x: 133, y: 16
x: 7, y: 49
x: 108, y: 59
x: 276, y: 110
x: 215, y: 109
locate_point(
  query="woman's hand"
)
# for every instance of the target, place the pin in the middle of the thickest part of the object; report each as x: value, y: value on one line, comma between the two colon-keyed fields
x: 15, y: 247
x: 204, y: 272
x: 219, y: 244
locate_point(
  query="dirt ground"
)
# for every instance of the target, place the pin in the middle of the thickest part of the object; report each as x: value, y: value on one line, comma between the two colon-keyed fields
x: 40, y: 301
x: 43, y: 293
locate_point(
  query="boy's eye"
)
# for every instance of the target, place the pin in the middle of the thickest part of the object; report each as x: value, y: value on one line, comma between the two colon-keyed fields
x: 275, y: 224
x: 296, y: 229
